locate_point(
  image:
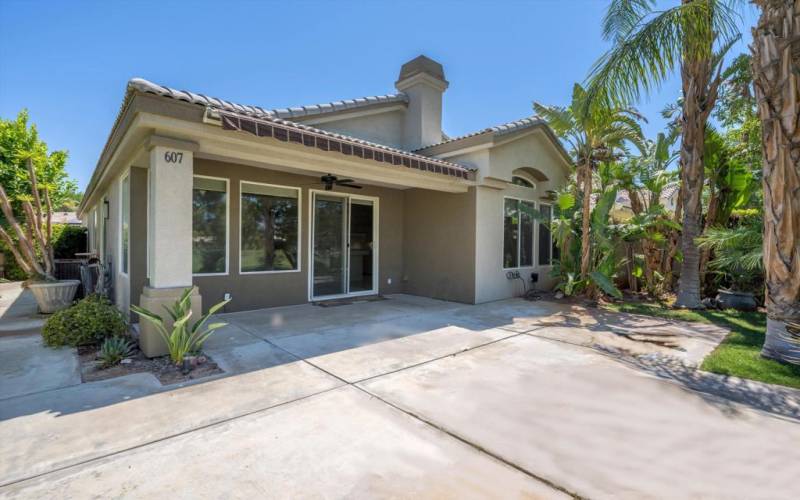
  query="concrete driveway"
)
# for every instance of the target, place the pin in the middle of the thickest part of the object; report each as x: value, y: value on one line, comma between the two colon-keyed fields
x: 412, y: 397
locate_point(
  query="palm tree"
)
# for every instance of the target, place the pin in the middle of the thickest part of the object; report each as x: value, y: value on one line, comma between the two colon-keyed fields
x: 592, y: 137
x: 647, y: 46
x: 776, y: 74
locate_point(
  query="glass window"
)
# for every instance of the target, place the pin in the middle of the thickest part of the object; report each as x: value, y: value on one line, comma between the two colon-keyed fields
x: 526, y: 233
x: 269, y: 228
x: 518, y: 233
x: 521, y: 181
x: 510, y: 233
x: 545, y: 238
x: 125, y: 222
x: 209, y: 226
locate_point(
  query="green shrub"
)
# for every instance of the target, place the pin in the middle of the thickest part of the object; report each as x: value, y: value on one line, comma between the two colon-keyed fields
x: 67, y: 241
x: 87, y: 322
x: 183, y: 339
x: 113, y: 350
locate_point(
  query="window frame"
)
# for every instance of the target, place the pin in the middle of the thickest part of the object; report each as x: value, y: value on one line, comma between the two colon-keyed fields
x: 534, y: 237
x: 124, y: 267
x: 538, y: 237
x: 299, y: 228
x: 531, y: 184
x: 227, y: 224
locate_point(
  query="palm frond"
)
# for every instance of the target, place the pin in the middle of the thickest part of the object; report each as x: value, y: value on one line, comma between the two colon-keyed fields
x: 642, y: 60
x: 623, y: 16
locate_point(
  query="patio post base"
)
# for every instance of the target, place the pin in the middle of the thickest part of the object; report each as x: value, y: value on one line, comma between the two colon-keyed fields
x: 154, y: 299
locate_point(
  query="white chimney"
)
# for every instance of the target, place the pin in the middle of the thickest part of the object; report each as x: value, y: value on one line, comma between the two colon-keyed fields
x: 422, y: 79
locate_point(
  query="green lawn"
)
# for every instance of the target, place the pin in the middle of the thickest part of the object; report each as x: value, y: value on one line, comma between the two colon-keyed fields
x: 739, y: 353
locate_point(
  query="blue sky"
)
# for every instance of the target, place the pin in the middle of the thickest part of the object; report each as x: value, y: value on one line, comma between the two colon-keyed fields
x: 68, y: 62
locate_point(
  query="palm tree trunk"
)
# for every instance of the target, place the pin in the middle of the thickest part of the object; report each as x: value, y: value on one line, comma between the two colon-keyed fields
x: 776, y: 62
x: 699, y: 95
x: 692, y: 146
x: 585, y: 241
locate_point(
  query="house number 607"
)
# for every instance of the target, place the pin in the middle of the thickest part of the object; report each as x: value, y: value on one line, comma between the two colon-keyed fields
x: 173, y: 157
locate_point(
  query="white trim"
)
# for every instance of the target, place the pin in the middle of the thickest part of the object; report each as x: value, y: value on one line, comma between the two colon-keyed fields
x: 519, y: 235
x: 227, y: 224
x: 375, y: 245
x: 126, y: 174
x: 299, y: 228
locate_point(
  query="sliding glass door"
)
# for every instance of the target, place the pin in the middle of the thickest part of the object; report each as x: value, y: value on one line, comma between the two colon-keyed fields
x: 342, y: 245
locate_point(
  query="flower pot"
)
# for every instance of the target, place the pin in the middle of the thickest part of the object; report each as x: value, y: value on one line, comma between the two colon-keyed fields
x: 730, y: 299
x: 52, y: 296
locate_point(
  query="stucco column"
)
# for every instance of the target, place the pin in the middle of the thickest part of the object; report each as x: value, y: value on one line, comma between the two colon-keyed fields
x: 169, y: 235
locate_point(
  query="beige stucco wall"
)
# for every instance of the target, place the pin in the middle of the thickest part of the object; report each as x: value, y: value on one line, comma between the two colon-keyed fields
x: 253, y: 291
x: 383, y: 128
x: 534, y: 151
x: 439, y: 244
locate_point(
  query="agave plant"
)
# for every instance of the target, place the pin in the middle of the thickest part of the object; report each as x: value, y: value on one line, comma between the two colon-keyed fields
x: 113, y: 350
x: 182, y: 339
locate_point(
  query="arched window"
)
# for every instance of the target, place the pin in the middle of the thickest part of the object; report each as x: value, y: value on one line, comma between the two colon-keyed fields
x: 521, y: 181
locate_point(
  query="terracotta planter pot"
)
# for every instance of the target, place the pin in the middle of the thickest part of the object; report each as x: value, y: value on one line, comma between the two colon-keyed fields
x: 53, y: 296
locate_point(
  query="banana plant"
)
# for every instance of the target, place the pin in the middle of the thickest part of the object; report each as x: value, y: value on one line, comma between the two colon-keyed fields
x: 182, y: 339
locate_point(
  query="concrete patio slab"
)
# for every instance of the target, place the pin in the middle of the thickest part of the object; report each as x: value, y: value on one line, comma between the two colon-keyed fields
x: 377, y: 348
x: 342, y: 444
x: 282, y: 322
x: 46, y: 431
x: 27, y: 366
x: 494, y: 396
x: 597, y: 427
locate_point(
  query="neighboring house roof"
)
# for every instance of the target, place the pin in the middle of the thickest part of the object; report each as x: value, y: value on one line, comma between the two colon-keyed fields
x: 624, y: 197
x: 263, y: 123
x: 65, y: 218
x: 295, y: 112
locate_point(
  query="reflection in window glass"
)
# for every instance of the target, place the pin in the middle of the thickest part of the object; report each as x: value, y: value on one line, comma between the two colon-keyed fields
x: 526, y: 209
x: 510, y: 233
x: 518, y: 233
x: 521, y: 181
x: 545, y: 238
x: 209, y: 226
x: 269, y: 228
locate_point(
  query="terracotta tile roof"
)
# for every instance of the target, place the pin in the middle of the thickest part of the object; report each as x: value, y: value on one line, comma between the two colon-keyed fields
x: 501, y: 129
x: 295, y: 112
x: 247, y: 118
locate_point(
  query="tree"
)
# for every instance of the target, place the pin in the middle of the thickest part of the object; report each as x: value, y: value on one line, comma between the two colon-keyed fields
x: 647, y: 45
x: 593, y: 136
x: 19, y: 141
x: 776, y: 74
x: 33, y: 248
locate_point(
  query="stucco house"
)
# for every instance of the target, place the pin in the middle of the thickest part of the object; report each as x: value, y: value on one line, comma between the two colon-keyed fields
x: 285, y: 206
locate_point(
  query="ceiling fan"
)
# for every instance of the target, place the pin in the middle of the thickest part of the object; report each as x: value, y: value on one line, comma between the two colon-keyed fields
x: 330, y: 180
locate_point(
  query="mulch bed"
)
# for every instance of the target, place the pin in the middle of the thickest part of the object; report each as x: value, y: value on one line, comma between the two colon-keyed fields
x: 163, y: 369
